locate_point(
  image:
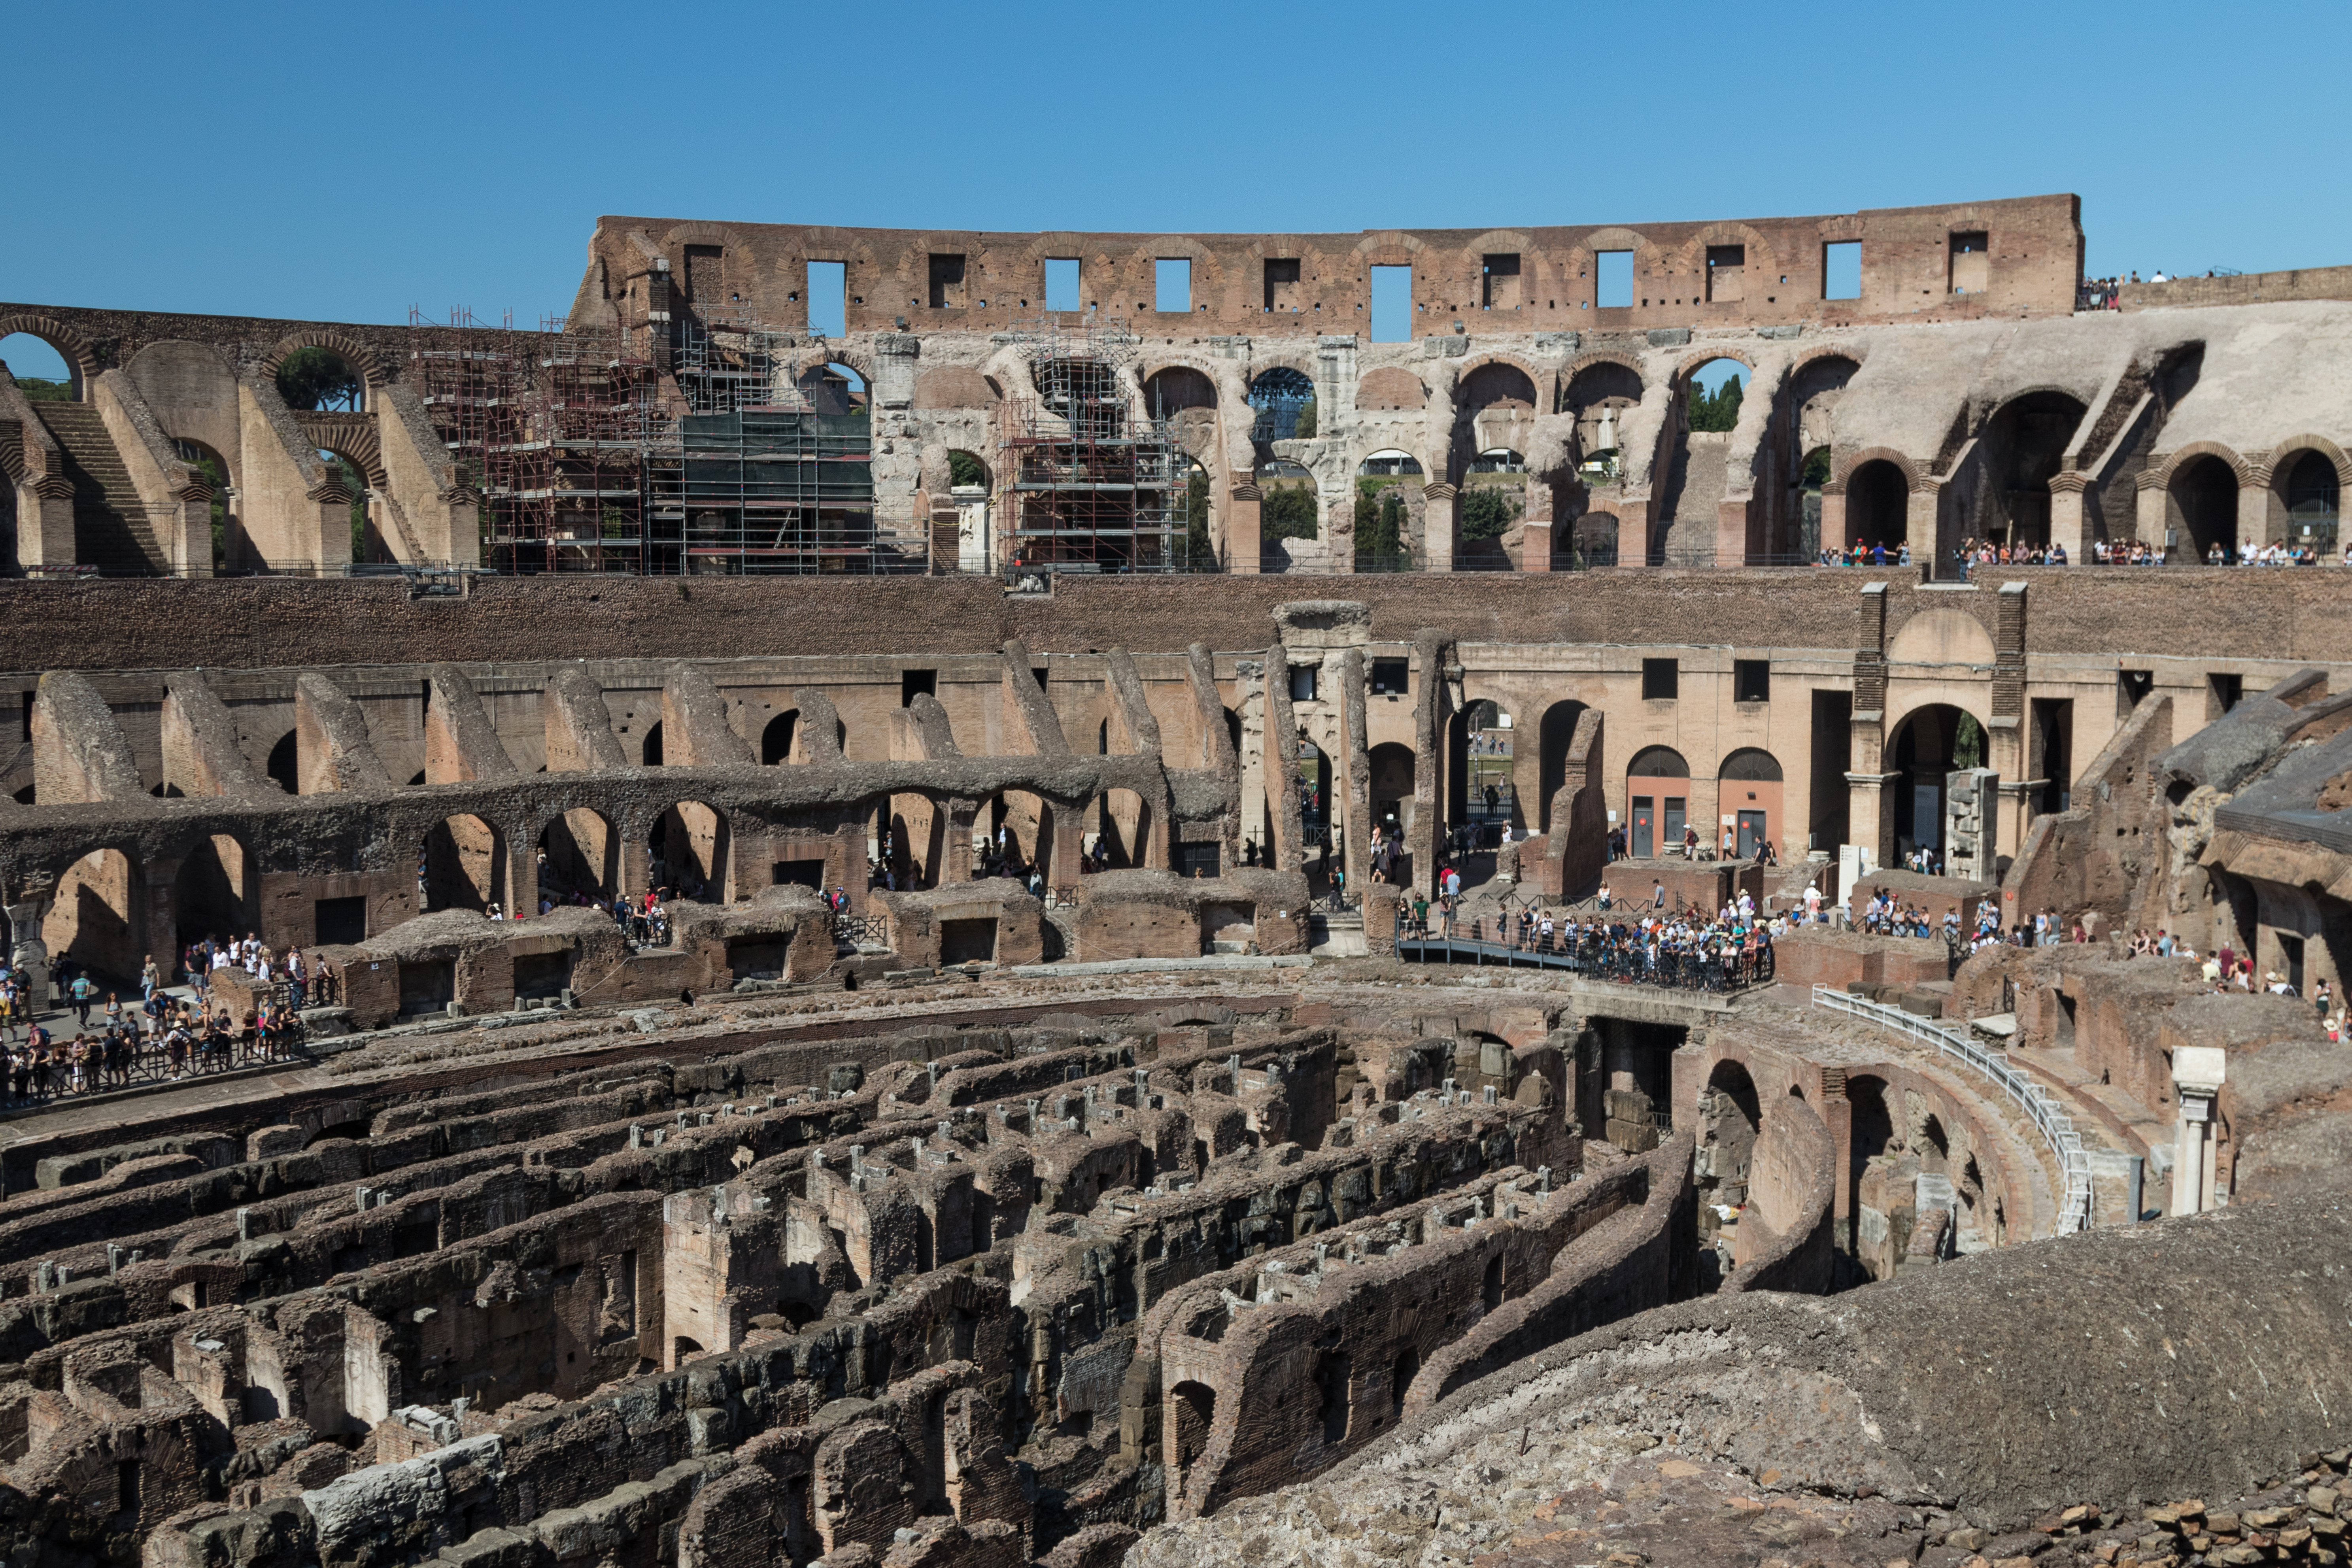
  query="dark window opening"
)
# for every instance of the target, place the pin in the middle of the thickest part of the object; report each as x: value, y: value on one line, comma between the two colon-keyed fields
x: 339, y: 923
x: 2223, y: 692
x: 1661, y: 680
x: 913, y: 683
x: 1282, y: 284
x: 947, y: 283
x: 1751, y: 680
x: 2131, y: 687
x: 1198, y: 860
x: 1389, y: 676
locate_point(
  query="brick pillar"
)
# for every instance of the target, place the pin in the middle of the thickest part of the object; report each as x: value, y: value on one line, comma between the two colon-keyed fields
x: 2253, y: 513
x: 1242, y: 536
x: 159, y: 908
x: 1837, y: 1113
x: 1534, y: 548
x: 1634, y: 531
x: 1833, y: 516
x: 955, y: 848
x: 522, y: 872
x: 2067, y: 515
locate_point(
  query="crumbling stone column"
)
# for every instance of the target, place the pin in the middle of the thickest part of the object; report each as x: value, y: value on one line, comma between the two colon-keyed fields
x: 1439, y: 526
x: 1242, y: 535
x: 2198, y: 1072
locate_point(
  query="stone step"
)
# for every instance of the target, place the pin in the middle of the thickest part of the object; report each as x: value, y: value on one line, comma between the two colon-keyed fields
x: 110, y: 529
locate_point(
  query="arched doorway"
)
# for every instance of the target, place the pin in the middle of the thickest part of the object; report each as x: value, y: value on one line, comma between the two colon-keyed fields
x: 690, y: 844
x: 1731, y: 1114
x: 2025, y: 444
x: 1698, y: 472
x: 776, y: 739
x: 93, y: 923
x: 214, y: 891
x: 1657, y: 801
x: 1123, y: 826
x: 1877, y: 506
x: 214, y: 467
x: 1281, y: 401
x: 1930, y: 742
x: 1389, y: 509
x: 2309, y: 490
x: 1392, y: 787
x: 2201, y: 511
x: 651, y: 750
x: 578, y: 857
x: 43, y: 372
x: 1555, y: 734
x: 312, y: 379
x: 284, y: 764
x: 1748, y: 791
x: 463, y: 867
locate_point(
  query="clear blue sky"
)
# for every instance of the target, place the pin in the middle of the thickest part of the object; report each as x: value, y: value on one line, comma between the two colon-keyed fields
x: 343, y: 163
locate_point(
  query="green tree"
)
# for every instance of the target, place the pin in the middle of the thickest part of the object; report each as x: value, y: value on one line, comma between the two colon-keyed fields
x: 1817, y: 469
x: 316, y: 378
x: 1306, y: 425
x: 964, y: 469
x: 39, y: 389
x: 1968, y: 743
x: 1197, y: 547
x: 210, y: 468
x: 1719, y: 410
x: 355, y: 483
x: 1288, y: 513
x: 1380, y: 521
x: 1487, y: 513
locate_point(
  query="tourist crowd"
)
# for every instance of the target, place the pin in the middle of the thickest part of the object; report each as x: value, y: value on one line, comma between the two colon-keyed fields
x: 1685, y: 948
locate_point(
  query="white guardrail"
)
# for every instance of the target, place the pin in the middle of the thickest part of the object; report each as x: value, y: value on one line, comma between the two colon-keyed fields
x: 2039, y: 1106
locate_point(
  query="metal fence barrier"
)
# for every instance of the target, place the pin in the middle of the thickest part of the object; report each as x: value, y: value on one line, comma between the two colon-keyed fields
x: 2039, y: 1106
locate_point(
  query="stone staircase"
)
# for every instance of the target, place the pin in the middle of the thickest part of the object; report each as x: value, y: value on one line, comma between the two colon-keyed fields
x: 1332, y: 935
x: 110, y: 529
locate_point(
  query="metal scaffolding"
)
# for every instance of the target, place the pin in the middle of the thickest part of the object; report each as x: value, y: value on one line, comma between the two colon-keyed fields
x: 1091, y: 483
x: 690, y: 449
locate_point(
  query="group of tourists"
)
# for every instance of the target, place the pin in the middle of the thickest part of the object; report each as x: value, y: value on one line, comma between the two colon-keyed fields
x: 1864, y: 554
x: 1685, y: 948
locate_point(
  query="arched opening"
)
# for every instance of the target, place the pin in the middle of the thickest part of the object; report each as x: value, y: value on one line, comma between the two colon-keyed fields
x: 1801, y: 448
x: 1699, y: 473
x: 2308, y: 487
x: 316, y: 379
x: 1123, y: 829
x: 834, y: 388
x: 1193, y: 1411
x: 368, y: 546
x: 1872, y: 1135
x: 1731, y: 1114
x: 2024, y: 446
x: 1490, y: 1286
x: 1406, y: 1367
x: 776, y: 741
x: 971, y: 487
x: 42, y: 371
x: 1748, y: 789
x: 1657, y: 801
x: 1488, y: 795
x: 92, y: 923
x: 285, y: 765
x: 1929, y: 744
x: 214, y: 891
x: 1017, y: 835
x: 652, y: 748
x: 1494, y: 411
x: 689, y: 844
x: 463, y: 867
x: 214, y: 469
x: 1282, y: 401
x: 1315, y: 814
x: 2201, y: 512
x: 1196, y: 550
x: 1877, y: 506
x: 1600, y: 395
x: 579, y: 859
x: 1555, y: 734
x: 1392, y: 765
x: 1331, y: 1390
x: 1388, y: 508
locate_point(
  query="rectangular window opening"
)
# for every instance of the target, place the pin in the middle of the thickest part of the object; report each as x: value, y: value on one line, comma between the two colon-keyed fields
x: 2132, y: 686
x: 1501, y: 283
x: 1661, y: 679
x: 1614, y: 288
x: 915, y: 682
x: 1751, y: 680
x: 1282, y: 284
x: 1726, y: 271
x: 1389, y: 677
x: 828, y: 284
x: 947, y: 283
x: 1841, y: 270
x: 1171, y: 285
x: 2223, y: 693
x: 1062, y: 292
x: 1971, y: 262
x: 1391, y: 304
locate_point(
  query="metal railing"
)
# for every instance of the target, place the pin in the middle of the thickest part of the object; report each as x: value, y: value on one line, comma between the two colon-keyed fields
x: 855, y: 928
x: 2039, y: 1106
